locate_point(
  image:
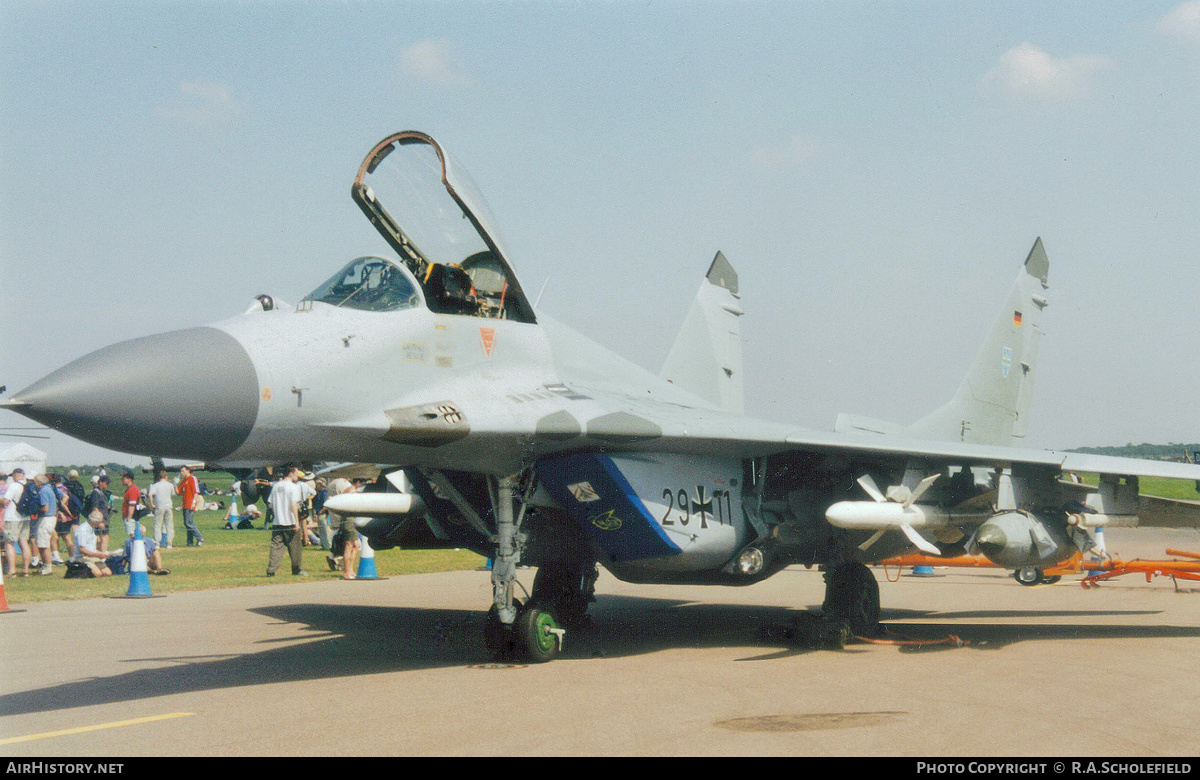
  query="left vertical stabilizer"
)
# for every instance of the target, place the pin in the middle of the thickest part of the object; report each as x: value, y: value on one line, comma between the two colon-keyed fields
x: 706, y: 358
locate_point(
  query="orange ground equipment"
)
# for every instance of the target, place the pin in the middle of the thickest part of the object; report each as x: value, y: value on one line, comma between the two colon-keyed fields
x: 1097, y: 571
x: 1026, y: 576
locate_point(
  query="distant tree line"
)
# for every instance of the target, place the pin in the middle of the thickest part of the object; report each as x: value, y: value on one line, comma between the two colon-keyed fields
x: 114, y: 470
x: 1175, y: 452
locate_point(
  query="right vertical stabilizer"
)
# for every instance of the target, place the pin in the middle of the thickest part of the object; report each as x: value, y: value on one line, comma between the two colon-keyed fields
x: 992, y: 403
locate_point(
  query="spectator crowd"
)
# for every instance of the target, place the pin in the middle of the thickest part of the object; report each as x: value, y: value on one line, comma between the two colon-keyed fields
x: 51, y: 520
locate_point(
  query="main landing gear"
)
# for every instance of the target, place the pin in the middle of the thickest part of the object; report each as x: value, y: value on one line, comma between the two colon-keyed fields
x: 852, y: 595
x: 1032, y: 575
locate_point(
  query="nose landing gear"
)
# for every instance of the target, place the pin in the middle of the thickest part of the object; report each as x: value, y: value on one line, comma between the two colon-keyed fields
x: 534, y: 636
x: 514, y: 631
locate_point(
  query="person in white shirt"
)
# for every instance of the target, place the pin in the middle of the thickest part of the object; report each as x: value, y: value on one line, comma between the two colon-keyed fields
x: 16, y: 525
x: 286, y: 531
x: 86, y: 549
x: 162, y: 494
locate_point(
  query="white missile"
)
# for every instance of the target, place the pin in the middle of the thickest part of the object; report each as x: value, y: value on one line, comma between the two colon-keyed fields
x: 1102, y: 521
x: 873, y: 516
x: 375, y: 504
x: 881, y: 516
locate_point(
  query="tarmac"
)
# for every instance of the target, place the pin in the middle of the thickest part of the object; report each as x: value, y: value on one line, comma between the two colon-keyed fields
x: 398, y: 667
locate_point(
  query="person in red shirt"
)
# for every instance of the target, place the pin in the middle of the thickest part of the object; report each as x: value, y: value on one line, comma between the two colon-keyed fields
x: 133, y: 495
x: 189, y: 488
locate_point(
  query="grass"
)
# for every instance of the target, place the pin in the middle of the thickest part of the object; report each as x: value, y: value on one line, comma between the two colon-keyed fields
x: 1168, y: 488
x: 1184, y: 489
x: 228, y: 559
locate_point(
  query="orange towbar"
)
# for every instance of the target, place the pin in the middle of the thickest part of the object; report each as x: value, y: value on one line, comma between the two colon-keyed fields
x: 1098, y: 571
x: 1175, y: 569
x: 1069, y: 566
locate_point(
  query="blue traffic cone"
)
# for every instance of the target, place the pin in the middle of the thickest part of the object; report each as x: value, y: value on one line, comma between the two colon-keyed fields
x: 139, y: 573
x: 366, y: 561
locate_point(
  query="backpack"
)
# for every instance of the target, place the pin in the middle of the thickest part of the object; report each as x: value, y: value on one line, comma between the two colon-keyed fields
x: 74, y: 505
x: 28, y: 504
x: 77, y: 570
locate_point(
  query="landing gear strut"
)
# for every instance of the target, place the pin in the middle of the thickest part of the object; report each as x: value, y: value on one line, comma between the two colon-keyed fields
x: 514, y: 631
x: 852, y: 594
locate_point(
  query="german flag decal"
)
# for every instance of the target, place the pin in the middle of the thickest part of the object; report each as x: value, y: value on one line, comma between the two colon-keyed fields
x: 1016, y: 318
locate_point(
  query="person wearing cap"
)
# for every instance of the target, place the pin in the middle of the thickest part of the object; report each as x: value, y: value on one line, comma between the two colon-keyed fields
x: 307, y: 491
x: 189, y: 488
x: 99, y: 501
x: 154, y: 562
x: 318, y: 510
x: 16, y: 525
x: 44, y: 536
x: 242, y: 522
x: 68, y: 516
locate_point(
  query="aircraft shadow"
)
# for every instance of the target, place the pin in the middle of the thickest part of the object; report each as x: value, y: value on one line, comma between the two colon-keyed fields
x: 347, y: 640
x: 994, y: 636
x: 336, y: 641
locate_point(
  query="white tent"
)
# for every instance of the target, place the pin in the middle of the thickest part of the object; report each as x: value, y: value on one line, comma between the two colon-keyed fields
x: 21, y: 455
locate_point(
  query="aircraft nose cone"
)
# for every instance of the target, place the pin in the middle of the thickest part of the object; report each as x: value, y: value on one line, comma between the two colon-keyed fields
x: 185, y: 394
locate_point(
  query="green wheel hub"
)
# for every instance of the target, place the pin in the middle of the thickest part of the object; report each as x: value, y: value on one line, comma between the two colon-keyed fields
x: 533, y: 627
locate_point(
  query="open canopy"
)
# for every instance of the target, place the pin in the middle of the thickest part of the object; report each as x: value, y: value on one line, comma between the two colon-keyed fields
x: 426, y: 208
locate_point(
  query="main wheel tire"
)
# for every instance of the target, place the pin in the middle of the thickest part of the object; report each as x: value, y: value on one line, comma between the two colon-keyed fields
x: 1028, y: 575
x: 1051, y: 580
x: 532, y: 630
x: 852, y: 594
x: 559, y: 587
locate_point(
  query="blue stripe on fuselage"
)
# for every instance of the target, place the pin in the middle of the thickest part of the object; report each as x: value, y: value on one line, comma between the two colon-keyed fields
x: 616, y: 519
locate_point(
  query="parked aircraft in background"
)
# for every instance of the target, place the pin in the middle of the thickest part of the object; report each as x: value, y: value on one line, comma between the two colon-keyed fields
x: 523, y: 440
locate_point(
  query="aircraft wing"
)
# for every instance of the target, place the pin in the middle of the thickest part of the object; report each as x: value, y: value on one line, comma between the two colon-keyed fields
x: 669, y: 427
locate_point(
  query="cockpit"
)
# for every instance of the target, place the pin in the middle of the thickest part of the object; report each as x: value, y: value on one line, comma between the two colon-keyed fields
x: 428, y: 211
x: 369, y: 284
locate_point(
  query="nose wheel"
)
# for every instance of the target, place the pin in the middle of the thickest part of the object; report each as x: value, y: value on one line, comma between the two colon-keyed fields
x: 534, y: 637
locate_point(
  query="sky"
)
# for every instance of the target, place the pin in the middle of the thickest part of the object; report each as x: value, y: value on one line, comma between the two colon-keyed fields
x: 875, y: 171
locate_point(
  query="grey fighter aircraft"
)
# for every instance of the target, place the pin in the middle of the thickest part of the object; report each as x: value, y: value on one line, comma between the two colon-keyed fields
x: 516, y: 437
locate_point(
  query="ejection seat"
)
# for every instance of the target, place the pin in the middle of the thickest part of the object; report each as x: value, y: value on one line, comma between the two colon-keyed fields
x: 448, y: 290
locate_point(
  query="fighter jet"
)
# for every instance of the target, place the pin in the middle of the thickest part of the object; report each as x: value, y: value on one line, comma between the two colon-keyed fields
x: 514, y: 436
